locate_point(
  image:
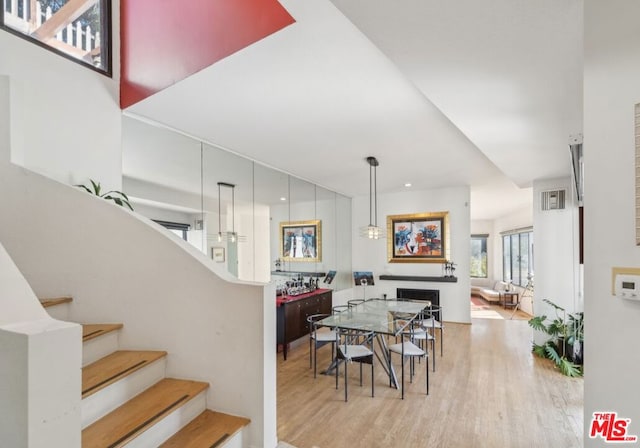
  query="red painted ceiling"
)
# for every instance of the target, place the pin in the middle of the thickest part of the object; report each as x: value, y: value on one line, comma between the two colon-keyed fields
x: 164, y: 41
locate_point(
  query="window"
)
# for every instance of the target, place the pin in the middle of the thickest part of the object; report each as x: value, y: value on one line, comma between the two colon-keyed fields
x: 77, y: 30
x: 517, y: 256
x: 479, y: 256
x: 176, y: 227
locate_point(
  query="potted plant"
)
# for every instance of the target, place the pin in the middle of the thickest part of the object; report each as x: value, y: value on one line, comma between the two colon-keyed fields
x: 566, y: 337
x: 116, y: 196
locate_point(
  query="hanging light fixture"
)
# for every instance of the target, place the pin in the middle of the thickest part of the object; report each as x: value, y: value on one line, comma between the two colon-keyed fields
x: 228, y: 236
x: 372, y: 231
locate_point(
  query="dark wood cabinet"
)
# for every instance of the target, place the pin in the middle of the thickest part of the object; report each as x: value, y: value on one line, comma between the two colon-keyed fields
x: 292, y: 315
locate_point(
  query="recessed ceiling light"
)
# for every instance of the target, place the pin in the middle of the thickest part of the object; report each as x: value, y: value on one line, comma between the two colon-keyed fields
x: 283, y: 198
x: 408, y: 184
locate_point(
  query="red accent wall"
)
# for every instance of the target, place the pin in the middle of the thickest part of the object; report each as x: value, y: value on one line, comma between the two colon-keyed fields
x: 164, y: 41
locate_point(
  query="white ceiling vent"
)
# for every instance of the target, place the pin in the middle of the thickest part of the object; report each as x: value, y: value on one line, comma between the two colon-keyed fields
x: 553, y: 200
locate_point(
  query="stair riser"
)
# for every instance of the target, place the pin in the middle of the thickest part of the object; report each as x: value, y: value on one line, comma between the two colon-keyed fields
x: 106, y: 400
x: 59, y: 312
x: 171, y: 424
x: 94, y: 349
x: 235, y: 441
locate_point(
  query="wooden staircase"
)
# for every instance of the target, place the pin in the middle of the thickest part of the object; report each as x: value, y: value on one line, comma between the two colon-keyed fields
x: 128, y: 401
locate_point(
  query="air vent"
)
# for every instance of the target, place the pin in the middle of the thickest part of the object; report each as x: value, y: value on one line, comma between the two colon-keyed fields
x: 553, y: 200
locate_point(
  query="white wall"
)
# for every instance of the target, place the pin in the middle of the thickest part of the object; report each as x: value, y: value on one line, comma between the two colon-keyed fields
x: 65, y: 118
x: 371, y: 255
x: 611, y: 88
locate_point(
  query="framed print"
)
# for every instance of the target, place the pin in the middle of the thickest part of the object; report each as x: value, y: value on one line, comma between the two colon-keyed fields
x: 363, y: 278
x: 217, y: 253
x: 418, y: 238
x: 329, y: 277
x: 301, y: 240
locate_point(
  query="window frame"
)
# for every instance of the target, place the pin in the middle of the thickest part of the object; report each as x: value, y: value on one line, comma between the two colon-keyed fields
x: 485, y: 239
x: 106, y: 39
x: 184, y: 228
x: 512, y: 259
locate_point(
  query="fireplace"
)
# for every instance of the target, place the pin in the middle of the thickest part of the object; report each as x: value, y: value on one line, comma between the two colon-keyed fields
x: 432, y: 295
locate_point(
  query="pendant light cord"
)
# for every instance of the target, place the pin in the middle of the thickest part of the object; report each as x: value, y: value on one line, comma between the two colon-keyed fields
x: 375, y: 196
x: 219, y: 212
x: 370, y: 194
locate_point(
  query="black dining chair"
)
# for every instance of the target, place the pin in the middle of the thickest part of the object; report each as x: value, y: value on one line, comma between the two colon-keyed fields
x: 339, y: 309
x: 433, y: 322
x: 409, y: 351
x: 354, y: 346
x: 318, y: 337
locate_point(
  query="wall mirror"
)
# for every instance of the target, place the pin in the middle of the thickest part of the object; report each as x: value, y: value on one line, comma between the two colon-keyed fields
x: 259, y: 223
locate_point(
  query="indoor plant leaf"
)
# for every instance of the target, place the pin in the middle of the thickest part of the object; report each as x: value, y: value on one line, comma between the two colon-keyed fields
x: 537, y: 323
x: 568, y: 368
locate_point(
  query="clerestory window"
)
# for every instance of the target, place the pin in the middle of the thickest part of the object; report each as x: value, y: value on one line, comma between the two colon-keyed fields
x: 76, y: 29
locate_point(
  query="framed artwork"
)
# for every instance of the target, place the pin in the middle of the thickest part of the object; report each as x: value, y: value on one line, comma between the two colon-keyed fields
x: 418, y: 238
x: 217, y: 253
x: 301, y: 240
x: 329, y: 277
x: 363, y: 278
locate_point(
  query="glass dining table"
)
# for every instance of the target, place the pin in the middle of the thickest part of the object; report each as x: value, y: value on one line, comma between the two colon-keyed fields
x: 383, y: 318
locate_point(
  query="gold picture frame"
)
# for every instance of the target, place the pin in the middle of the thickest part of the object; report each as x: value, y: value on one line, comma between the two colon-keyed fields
x: 418, y: 238
x: 301, y: 240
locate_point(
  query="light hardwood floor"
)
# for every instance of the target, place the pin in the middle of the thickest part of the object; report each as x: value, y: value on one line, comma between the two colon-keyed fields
x: 488, y: 391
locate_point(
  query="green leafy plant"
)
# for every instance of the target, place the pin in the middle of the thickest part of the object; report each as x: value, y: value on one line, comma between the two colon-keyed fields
x: 566, y: 337
x: 116, y: 196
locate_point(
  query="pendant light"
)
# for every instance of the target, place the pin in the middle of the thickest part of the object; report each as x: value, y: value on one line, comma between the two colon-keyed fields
x: 228, y: 236
x: 372, y: 231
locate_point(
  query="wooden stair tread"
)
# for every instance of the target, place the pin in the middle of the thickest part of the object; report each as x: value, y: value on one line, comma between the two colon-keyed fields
x: 140, y: 413
x: 209, y: 429
x: 55, y: 301
x: 90, y: 331
x: 111, y: 368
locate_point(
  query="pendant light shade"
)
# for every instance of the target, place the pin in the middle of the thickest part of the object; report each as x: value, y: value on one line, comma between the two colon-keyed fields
x: 372, y: 231
x: 228, y: 236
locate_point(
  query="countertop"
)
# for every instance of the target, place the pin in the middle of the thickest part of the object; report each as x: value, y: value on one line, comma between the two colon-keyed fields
x: 286, y: 299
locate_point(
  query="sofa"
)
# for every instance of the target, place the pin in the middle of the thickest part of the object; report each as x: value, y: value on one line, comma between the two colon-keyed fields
x: 490, y: 294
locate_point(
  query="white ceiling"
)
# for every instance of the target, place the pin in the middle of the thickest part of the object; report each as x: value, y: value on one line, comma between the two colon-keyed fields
x: 450, y: 93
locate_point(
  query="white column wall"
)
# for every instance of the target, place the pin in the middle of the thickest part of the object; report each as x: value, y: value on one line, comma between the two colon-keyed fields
x: 611, y: 89
x: 371, y: 255
x: 32, y: 413
x: 555, y: 242
x: 40, y: 399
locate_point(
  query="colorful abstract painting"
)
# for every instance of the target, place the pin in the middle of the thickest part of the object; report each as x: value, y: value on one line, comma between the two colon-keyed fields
x: 418, y: 237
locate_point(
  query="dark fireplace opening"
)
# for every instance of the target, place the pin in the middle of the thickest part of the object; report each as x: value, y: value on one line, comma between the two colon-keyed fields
x: 432, y: 295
